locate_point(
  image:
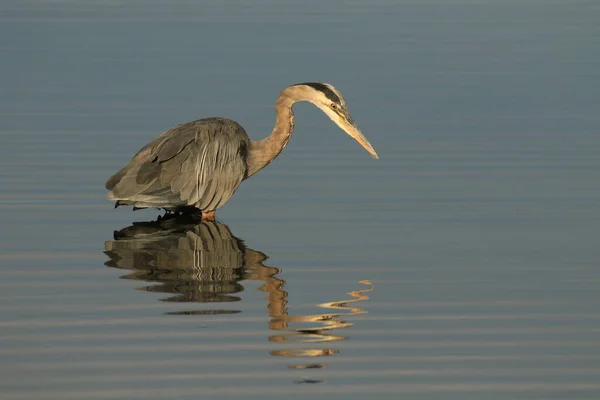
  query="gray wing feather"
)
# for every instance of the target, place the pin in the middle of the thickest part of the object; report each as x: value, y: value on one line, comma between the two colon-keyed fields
x: 201, y: 164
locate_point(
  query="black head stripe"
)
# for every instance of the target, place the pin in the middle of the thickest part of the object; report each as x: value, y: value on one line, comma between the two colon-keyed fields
x: 330, y: 94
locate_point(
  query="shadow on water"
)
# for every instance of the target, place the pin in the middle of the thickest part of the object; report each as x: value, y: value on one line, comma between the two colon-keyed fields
x: 203, y: 262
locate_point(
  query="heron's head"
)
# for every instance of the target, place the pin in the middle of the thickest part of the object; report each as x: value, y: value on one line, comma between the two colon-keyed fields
x: 331, y: 102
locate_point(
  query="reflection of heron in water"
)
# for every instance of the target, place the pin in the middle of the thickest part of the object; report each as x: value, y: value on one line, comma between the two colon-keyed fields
x: 203, y: 262
x: 196, y: 261
x: 196, y: 167
x: 322, y: 332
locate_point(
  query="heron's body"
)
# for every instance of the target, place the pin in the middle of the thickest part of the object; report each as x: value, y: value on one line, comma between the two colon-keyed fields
x: 199, y: 165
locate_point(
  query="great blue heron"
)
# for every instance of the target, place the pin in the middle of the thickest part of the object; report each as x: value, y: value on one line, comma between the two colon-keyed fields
x: 198, y: 166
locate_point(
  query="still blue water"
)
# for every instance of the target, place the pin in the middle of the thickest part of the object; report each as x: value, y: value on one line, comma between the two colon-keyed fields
x: 464, y: 263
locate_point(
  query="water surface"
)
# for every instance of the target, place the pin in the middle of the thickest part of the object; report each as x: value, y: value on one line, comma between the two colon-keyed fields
x: 462, y: 264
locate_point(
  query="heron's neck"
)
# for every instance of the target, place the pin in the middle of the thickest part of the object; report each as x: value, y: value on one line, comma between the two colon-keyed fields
x: 262, y: 152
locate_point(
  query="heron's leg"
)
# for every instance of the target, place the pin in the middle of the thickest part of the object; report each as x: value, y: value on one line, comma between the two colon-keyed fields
x: 208, y: 215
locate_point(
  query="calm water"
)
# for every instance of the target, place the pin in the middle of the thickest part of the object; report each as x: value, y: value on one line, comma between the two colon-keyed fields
x: 462, y: 264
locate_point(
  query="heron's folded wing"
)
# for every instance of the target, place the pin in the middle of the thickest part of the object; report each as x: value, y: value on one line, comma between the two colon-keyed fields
x: 202, y: 162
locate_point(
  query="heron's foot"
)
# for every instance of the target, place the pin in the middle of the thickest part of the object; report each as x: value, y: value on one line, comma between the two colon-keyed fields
x: 183, y: 210
x: 208, y: 215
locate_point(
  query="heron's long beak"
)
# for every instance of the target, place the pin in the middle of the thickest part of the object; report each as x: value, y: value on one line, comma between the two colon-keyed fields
x: 343, y: 119
x: 347, y: 124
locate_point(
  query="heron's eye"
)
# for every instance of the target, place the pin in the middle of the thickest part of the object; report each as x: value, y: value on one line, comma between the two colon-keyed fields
x: 333, y: 105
